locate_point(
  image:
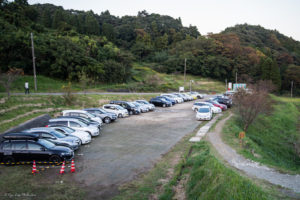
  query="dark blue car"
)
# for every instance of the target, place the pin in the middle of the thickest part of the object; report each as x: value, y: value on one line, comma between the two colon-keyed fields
x: 167, y: 99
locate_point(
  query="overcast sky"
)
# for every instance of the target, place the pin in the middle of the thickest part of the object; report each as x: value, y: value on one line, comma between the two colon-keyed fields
x: 208, y: 15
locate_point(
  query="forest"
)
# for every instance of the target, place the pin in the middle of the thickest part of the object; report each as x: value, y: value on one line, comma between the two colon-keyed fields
x: 103, y: 47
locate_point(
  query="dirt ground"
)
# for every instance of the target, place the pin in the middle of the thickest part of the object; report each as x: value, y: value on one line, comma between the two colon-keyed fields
x: 129, y: 147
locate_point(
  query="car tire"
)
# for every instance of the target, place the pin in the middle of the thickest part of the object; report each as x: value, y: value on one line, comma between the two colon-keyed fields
x: 55, y: 159
x: 120, y: 115
x: 8, y: 160
x: 107, y: 120
x: 164, y: 105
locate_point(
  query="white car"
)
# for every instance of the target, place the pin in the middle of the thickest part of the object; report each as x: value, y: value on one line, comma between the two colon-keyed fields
x: 82, y: 113
x: 75, y: 124
x: 204, y: 113
x: 214, y: 109
x: 143, y: 108
x: 177, y: 99
x: 118, y: 110
x: 82, y: 135
x: 150, y: 105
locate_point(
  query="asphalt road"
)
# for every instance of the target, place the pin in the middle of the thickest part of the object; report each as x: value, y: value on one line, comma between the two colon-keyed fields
x: 129, y: 147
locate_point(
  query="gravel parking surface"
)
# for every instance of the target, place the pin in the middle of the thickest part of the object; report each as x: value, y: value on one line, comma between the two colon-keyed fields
x: 131, y: 146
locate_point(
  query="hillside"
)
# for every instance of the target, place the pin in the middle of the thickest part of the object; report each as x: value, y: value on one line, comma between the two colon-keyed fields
x: 71, y: 44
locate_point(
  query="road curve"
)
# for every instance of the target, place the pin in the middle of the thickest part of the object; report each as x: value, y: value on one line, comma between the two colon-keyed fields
x: 251, y: 168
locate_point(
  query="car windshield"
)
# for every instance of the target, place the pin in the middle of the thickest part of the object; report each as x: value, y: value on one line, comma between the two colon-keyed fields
x: 203, y: 110
x: 90, y: 115
x: 120, y: 107
x: 102, y: 111
x: 131, y: 104
x: 46, y: 143
x: 58, y: 134
x: 67, y: 129
x: 144, y: 102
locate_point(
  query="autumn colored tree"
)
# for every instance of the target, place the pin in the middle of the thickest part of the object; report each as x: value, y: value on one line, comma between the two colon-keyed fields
x: 249, y: 104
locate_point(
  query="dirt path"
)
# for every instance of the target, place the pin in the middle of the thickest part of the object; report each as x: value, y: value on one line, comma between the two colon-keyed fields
x: 251, y: 168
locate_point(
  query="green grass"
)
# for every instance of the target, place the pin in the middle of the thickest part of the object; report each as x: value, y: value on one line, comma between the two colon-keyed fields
x: 210, y: 179
x: 144, y: 79
x: 17, y: 182
x: 270, y: 138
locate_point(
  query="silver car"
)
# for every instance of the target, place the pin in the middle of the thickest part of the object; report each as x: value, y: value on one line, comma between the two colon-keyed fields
x: 77, y: 125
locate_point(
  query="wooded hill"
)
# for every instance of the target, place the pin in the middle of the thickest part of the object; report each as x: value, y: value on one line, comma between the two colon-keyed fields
x: 71, y: 43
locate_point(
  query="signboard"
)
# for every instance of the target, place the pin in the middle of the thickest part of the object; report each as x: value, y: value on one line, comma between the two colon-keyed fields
x: 229, y: 86
x: 239, y: 85
x: 181, y: 89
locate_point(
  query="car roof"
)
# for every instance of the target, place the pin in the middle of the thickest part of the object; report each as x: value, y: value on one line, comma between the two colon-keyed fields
x: 110, y: 105
x: 81, y: 111
x: 63, y: 119
x: 20, y: 136
x: 40, y: 129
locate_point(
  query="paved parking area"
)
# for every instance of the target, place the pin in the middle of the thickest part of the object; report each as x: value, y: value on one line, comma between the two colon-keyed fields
x: 131, y: 146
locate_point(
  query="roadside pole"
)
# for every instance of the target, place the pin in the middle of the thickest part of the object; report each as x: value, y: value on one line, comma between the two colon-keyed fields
x: 33, y: 62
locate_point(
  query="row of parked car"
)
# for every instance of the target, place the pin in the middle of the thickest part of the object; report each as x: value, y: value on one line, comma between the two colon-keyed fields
x: 65, y: 134
x: 167, y: 100
x: 205, y: 110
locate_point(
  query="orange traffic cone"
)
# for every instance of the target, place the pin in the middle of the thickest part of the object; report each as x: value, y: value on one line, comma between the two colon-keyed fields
x: 34, y: 168
x: 62, y: 169
x: 72, y: 166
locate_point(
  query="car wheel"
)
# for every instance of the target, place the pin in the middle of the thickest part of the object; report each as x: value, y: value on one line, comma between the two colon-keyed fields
x: 130, y: 112
x: 55, y: 159
x: 8, y: 160
x: 120, y: 115
x: 164, y: 105
x: 107, y: 120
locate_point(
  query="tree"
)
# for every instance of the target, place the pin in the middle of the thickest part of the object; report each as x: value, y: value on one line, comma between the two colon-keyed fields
x: 250, y: 104
x: 8, y: 78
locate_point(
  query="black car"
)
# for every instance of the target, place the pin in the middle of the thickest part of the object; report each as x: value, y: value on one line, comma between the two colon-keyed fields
x: 17, y: 147
x: 132, y: 109
x: 224, y: 100
x: 160, y: 102
x: 106, y: 117
x: 167, y: 99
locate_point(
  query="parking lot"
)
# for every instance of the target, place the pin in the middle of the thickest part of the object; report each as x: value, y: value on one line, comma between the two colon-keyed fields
x: 131, y: 146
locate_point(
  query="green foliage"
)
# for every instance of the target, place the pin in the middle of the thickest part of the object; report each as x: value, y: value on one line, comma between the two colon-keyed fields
x: 271, y: 139
x: 210, y: 179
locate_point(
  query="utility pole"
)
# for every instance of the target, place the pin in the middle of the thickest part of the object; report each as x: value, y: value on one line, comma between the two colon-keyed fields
x: 235, y: 77
x: 191, y: 81
x: 184, y: 70
x: 292, y: 84
x: 226, y: 84
x: 33, y: 62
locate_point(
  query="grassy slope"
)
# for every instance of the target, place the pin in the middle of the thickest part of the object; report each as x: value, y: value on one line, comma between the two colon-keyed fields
x: 144, y: 80
x: 271, y: 137
x: 210, y: 179
x: 55, y: 102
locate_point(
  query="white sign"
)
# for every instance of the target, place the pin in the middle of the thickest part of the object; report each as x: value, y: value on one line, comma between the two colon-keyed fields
x: 181, y: 89
x: 230, y: 86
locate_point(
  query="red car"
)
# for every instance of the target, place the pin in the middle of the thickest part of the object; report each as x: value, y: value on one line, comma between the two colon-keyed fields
x: 215, y: 103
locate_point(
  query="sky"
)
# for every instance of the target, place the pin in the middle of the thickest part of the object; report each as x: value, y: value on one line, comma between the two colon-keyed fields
x: 208, y: 15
